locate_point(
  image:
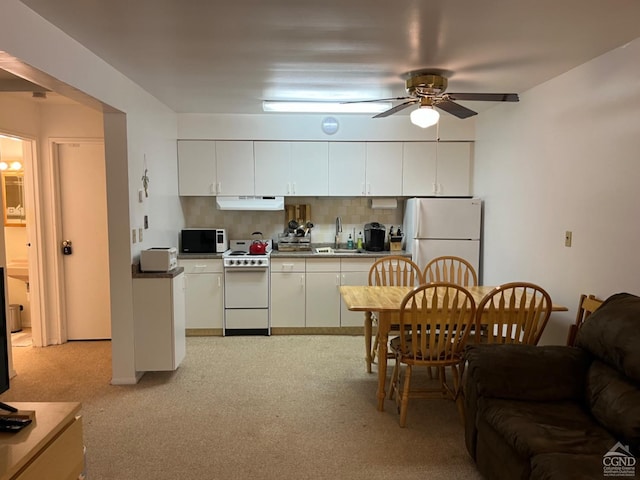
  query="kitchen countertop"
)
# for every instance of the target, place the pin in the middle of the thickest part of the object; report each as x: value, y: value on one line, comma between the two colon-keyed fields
x: 354, y: 254
x: 303, y: 254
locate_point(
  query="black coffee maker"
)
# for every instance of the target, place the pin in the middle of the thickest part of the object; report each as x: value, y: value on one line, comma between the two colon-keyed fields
x: 374, y: 235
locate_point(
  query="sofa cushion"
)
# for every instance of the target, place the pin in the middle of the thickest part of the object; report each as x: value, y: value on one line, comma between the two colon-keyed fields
x: 612, y: 333
x: 532, y: 428
x: 614, y: 401
x: 527, y: 372
x: 567, y: 466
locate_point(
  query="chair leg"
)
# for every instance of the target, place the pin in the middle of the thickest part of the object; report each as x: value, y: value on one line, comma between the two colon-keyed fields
x: 374, y: 350
x: 393, y: 385
x: 404, y: 404
x: 367, y: 339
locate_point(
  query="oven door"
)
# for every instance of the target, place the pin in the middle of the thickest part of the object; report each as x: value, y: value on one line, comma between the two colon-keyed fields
x: 246, y: 288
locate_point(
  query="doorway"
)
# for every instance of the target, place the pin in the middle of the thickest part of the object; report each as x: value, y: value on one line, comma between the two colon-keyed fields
x: 23, y: 292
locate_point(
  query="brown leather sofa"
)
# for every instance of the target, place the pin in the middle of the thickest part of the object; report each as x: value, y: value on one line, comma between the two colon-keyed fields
x: 558, y: 412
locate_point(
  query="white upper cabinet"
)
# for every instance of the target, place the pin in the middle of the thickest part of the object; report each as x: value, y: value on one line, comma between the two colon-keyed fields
x: 235, y: 168
x: 272, y: 167
x: 442, y: 169
x: 291, y: 168
x: 454, y: 169
x: 418, y: 169
x: 384, y: 169
x: 197, y: 167
x: 310, y: 168
x: 347, y: 166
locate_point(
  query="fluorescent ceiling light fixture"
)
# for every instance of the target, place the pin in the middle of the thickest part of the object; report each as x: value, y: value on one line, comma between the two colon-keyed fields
x: 325, y: 107
x: 425, y: 117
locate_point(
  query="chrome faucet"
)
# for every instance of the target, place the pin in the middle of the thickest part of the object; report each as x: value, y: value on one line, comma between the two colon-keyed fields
x: 338, y: 231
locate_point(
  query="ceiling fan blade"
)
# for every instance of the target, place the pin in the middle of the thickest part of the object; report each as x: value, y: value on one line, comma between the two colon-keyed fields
x: 397, y: 108
x: 378, y: 100
x: 485, y: 97
x: 455, y: 109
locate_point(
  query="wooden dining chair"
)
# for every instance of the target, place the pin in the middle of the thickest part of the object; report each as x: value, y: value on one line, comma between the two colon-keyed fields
x: 588, y: 304
x: 436, y: 319
x: 515, y: 312
x: 451, y: 269
x: 392, y: 270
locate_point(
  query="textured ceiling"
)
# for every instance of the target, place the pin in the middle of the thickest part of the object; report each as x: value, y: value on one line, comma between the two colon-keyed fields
x: 204, y: 56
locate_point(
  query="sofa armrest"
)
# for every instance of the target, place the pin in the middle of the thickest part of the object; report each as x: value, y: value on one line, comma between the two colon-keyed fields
x: 521, y: 372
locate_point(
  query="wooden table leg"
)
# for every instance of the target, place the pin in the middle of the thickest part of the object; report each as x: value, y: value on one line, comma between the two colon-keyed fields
x: 368, y: 332
x: 383, y: 334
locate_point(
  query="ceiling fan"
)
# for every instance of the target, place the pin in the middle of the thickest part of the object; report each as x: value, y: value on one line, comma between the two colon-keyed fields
x: 428, y: 90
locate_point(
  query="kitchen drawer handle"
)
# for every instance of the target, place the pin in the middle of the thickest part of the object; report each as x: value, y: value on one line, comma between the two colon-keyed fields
x: 288, y: 265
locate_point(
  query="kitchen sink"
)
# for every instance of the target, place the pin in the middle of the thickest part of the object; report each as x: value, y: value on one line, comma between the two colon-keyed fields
x: 333, y: 251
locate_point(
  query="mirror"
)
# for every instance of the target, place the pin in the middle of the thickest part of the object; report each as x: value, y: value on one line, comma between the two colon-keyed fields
x: 13, y: 194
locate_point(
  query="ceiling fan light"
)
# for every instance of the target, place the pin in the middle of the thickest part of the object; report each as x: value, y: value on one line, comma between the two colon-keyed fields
x: 424, y: 117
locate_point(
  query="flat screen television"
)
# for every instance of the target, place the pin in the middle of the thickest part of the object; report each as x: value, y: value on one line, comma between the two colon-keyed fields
x: 4, y: 357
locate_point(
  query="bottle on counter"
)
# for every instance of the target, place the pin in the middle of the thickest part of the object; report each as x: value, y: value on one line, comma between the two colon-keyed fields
x: 360, y: 243
x: 350, y: 243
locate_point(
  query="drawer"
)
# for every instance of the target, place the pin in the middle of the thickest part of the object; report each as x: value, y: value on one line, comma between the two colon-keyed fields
x: 323, y: 265
x: 356, y: 264
x: 62, y: 459
x: 201, y: 266
x: 287, y: 265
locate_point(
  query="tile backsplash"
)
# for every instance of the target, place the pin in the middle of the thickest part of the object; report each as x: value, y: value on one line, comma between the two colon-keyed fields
x: 354, y: 212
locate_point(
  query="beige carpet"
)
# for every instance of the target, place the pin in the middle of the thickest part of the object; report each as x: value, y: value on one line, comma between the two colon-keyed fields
x: 280, y: 407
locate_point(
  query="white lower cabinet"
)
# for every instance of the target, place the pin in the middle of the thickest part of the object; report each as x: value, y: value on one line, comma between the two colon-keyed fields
x: 323, y: 292
x: 204, y: 293
x: 288, y: 292
x: 159, y: 322
x: 353, y: 271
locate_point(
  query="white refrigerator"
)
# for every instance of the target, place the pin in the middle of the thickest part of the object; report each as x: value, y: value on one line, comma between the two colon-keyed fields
x: 443, y: 226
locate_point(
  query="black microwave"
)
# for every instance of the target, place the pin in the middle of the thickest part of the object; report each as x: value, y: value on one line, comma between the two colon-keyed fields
x: 203, y: 240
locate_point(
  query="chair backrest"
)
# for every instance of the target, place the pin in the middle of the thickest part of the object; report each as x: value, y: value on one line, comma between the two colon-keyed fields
x: 450, y: 269
x: 513, y: 313
x: 395, y: 271
x: 437, y: 318
x: 588, y: 304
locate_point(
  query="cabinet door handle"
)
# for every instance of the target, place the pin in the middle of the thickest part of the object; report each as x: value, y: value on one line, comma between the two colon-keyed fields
x: 293, y: 188
x: 219, y: 281
x: 368, y: 189
x: 338, y: 280
x: 218, y: 187
x: 362, y: 189
x: 212, y: 188
x: 302, y: 282
x: 287, y: 265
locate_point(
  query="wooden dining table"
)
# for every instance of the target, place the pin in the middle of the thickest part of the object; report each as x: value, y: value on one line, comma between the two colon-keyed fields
x: 385, y: 301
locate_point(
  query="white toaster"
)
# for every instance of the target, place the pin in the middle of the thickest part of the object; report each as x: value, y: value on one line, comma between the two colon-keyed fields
x: 159, y: 259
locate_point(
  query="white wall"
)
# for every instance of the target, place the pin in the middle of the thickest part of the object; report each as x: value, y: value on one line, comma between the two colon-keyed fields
x: 308, y: 127
x: 567, y: 157
x: 149, y: 128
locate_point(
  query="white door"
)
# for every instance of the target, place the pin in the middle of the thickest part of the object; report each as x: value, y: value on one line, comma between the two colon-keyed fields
x: 83, y: 208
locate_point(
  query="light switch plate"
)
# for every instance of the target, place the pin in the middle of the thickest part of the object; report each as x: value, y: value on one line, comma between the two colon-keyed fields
x: 568, y: 236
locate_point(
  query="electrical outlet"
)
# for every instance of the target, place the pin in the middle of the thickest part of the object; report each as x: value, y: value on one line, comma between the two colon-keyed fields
x: 133, y: 235
x: 140, y: 234
x: 567, y: 238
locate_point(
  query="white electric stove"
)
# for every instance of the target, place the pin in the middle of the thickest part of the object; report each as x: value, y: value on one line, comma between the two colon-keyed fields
x: 246, y: 290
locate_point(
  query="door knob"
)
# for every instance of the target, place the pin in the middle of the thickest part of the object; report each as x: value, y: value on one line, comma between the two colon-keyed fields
x: 66, y: 247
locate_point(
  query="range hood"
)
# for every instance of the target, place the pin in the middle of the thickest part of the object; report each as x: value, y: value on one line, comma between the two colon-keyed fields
x: 250, y: 203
